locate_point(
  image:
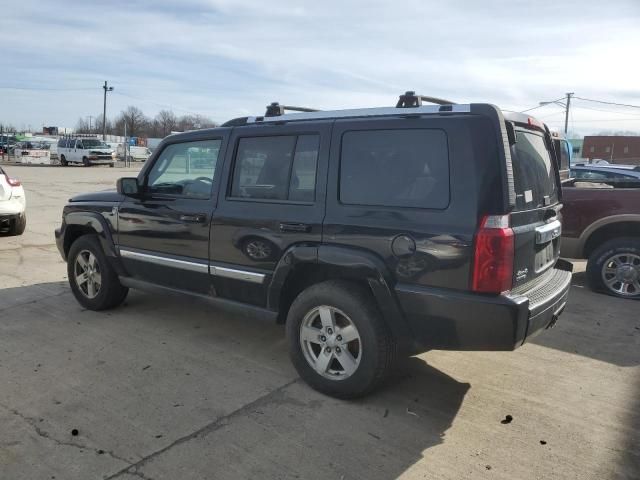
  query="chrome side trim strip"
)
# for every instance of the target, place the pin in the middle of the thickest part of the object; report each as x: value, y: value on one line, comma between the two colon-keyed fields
x: 237, y: 274
x: 166, y: 261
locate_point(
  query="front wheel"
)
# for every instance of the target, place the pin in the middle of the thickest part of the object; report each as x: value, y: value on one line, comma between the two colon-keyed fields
x: 93, y: 281
x: 85, y: 162
x: 63, y: 161
x: 614, y: 268
x: 338, y: 341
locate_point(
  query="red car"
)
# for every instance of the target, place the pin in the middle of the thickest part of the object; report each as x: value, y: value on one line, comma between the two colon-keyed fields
x: 601, y: 222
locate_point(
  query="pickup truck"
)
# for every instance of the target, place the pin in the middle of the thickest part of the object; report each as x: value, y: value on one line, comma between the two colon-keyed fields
x: 601, y: 223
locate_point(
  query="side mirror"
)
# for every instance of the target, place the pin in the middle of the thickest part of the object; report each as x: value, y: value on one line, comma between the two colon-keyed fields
x: 128, y: 186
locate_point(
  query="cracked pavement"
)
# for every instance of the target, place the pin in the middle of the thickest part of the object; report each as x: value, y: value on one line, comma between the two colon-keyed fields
x: 174, y: 388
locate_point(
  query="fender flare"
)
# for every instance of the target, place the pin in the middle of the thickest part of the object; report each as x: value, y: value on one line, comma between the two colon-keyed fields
x: 604, y: 222
x: 348, y: 263
x: 97, y: 223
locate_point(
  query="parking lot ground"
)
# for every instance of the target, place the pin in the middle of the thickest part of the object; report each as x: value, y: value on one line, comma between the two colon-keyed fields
x: 168, y: 387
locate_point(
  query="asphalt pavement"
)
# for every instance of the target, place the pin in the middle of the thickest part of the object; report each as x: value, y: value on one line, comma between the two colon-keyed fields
x: 168, y: 387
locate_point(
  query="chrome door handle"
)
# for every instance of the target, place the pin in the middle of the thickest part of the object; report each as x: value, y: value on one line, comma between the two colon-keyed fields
x: 295, y: 227
x: 194, y: 218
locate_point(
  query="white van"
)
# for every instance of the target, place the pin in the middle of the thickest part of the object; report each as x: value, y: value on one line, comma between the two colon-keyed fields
x: 134, y: 153
x: 85, y: 150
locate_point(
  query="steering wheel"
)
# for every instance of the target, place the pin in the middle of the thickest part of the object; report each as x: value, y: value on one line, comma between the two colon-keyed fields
x: 202, y: 179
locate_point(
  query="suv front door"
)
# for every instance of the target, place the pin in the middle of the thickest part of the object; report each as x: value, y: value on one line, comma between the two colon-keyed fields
x: 273, y: 198
x: 164, y: 234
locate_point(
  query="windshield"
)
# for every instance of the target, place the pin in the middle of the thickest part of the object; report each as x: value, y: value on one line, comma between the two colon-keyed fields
x: 94, y: 144
x: 534, y: 173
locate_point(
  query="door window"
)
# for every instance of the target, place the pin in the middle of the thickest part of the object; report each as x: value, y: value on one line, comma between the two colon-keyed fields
x: 276, y: 168
x: 185, y: 169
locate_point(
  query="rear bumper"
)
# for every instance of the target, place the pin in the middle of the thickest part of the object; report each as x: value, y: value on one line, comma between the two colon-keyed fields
x: 450, y: 320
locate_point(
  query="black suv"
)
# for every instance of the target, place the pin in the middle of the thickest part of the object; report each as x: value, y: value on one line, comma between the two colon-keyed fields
x: 370, y: 233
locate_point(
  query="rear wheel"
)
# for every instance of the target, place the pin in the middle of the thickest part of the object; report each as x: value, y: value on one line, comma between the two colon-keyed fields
x: 338, y: 341
x: 614, y: 268
x: 93, y: 281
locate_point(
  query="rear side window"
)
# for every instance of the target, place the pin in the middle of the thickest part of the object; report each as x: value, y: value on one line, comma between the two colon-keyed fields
x: 534, y: 172
x: 395, y: 168
x: 276, y: 168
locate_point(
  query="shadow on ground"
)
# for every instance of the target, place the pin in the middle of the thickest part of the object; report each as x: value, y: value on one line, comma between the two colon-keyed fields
x: 612, y: 336
x: 166, y: 380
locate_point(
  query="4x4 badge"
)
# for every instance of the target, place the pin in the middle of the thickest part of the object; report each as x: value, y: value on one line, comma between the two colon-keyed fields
x: 522, y: 274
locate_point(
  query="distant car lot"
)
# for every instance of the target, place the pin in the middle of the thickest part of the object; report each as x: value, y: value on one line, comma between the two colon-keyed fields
x: 176, y: 389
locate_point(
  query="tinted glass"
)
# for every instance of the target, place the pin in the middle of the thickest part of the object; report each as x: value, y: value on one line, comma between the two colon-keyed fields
x: 185, y: 169
x: 397, y: 168
x: 533, y: 171
x: 302, y: 186
x: 276, y: 168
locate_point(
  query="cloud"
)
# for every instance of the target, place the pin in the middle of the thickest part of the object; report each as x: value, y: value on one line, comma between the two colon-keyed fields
x: 228, y: 58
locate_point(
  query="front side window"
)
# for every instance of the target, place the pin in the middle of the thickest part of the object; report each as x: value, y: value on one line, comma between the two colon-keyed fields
x: 276, y: 168
x: 185, y: 169
x: 396, y: 168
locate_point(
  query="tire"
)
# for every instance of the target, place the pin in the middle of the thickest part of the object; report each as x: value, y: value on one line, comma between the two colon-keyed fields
x: 111, y: 165
x: 618, y: 261
x: 110, y: 292
x: 63, y: 161
x: 19, y: 225
x: 85, y: 162
x: 375, y: 352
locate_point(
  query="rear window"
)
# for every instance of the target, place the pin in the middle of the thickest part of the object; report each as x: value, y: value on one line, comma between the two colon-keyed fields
x: 534, y: 174
x: 395, y: 168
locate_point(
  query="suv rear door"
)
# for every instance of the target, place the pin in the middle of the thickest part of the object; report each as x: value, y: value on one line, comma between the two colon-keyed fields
x: 272, y: 197
x: 535, y: 219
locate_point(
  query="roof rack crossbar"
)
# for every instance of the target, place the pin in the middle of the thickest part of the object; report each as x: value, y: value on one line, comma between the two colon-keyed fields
x: 275, y: 109
x: 410, y: 99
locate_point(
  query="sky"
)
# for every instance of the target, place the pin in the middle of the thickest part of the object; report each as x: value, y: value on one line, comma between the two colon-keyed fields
x: 230, y: 58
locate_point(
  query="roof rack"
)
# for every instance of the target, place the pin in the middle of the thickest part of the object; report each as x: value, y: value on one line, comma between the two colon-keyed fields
x: 410, y: 100
x: 275, y: 109
x: 79, y: 135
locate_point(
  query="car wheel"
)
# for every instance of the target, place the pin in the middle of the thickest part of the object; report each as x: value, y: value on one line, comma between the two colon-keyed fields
x: 614, y: 268
x: 338, y: 341
x: 63, y: 161
x: 85, y: 162
x: 93, y: 281
x: 111, y: 165
x: 19, y: 225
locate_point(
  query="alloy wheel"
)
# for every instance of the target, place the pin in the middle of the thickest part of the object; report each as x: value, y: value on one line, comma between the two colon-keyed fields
x: 87, y: 272
x: 621, y: 274
x: 330, y: 342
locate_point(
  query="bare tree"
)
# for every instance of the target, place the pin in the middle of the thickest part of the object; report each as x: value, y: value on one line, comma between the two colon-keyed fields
x: 82, y: 126
x: 166, y: 121
x: 135, y: 120
x: 195, y: 122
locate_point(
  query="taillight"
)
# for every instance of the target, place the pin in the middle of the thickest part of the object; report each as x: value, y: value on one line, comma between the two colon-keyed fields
x: 493, y: 255
x: 14, y: 182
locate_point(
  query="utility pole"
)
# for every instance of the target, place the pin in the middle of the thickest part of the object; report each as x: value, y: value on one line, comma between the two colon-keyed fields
x: 90, y: 129
x: 566, y: 113
x: 104, y: 110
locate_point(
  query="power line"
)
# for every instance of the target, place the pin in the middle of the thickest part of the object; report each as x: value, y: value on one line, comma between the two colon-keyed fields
x: 606, y: 111
x: 163, y: 105
x: 540, y: 106
x: 608, y: 103
x: 46, y: 89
